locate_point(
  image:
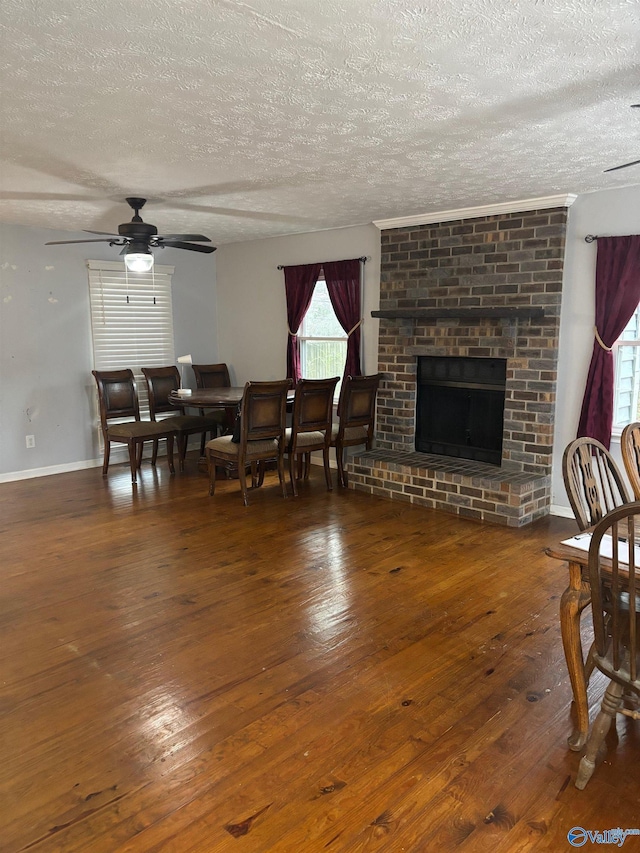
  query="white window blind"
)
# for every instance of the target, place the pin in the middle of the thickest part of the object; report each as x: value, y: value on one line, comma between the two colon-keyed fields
x: 131, y: 320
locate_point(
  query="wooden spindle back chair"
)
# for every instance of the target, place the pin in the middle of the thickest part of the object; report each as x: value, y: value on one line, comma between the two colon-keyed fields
x: 614, y: 575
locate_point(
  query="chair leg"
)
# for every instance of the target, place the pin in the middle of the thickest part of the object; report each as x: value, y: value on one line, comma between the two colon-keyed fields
x: 182, y: 440
x: 327, y: 469
x: 242, y: 476
x: 107, y: 452
x: 139, y: 450
x: 211, y: 467
x: 133, y: 459
x: 170, y: 453
x: 342, y: 479
x: 154, y: 454
x: 611, y: 702
x: 281, y: 475
x: 293, y: 474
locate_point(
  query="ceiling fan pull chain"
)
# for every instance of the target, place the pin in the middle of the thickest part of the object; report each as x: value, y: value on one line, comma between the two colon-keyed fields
x: 153, y: 279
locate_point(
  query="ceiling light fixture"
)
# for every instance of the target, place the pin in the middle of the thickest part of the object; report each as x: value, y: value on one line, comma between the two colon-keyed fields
x: 138, y: 257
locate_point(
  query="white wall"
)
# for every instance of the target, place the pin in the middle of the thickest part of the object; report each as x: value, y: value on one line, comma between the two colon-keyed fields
x: 251, y: 298
x: 608, y: 213
x: 46, y: 387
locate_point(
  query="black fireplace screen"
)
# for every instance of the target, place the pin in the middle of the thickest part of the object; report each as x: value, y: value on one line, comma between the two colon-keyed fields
x: 460, y: 407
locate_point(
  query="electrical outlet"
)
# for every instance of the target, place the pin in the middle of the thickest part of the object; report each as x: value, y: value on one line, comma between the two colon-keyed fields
x: 30, y: 440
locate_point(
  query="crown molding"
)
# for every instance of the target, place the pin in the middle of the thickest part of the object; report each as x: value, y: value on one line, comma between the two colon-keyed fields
x: 564, y: 200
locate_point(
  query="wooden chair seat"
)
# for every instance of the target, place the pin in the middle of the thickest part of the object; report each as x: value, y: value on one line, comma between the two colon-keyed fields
x: 353, y: 435
x: 138, y: 429
x: 307, y: 440
x: 255, y: 450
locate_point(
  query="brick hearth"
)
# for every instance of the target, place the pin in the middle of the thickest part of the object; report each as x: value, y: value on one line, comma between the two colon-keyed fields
x: 487, y: 287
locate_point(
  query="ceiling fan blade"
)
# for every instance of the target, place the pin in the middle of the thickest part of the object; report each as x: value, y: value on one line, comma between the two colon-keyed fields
x: 192, y: 247
x: 624, y: 166
x: 106, y: 233
x: 97, y: 240
x: 197, y: 238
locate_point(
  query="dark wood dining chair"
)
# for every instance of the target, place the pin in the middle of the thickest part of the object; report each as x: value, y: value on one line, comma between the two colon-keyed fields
x: 614, y: 576
x: 630, y: 446
x: 310, y: 428
x: 593, y: 481
x: 118, y: 398
x: 357, y: 415
x: 161, y: 381
x: 214, y: 376
x: 261, y: 436
x: 595, y: 487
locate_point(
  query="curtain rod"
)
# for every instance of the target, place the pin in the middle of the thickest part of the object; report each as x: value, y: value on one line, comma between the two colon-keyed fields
x: 591, y: 238
x: 362, y: 260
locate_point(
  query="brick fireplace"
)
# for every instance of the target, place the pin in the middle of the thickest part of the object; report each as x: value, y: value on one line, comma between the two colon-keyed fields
x: 487, y: 287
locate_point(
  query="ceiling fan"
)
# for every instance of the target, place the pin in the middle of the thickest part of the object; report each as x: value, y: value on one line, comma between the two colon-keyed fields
x: 137, y: 238
x: 625, y: 165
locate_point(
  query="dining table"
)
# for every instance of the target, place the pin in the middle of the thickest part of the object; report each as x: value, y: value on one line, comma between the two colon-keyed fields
x: 226, y: 398
x: 575, y: 598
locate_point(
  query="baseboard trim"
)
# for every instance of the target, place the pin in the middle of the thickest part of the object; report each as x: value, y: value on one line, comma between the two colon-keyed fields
x: 119, y: 455
x: 562, y: 511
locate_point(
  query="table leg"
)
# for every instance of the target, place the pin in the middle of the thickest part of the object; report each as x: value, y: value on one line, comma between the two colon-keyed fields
x: 574, y: 599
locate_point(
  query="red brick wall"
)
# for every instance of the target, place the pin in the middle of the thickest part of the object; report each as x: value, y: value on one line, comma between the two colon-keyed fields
x: 511, y: 260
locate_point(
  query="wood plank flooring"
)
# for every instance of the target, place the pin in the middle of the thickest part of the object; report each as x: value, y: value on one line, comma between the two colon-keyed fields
x: 335, y: 672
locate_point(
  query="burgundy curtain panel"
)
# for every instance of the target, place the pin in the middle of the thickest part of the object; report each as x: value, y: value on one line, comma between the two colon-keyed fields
x: 617, y: 296
x: 343, y: 285
x: 299, y: 282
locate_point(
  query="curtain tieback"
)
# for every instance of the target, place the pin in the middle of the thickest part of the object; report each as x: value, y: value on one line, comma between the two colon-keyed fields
x: 600, y: 341
x: 293, y: 334
x: 357, y: 325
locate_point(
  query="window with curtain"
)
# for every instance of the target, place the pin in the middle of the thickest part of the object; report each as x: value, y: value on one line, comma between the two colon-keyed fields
x: 131, y: 320
x: 323, y: 341
x: 341, y: 289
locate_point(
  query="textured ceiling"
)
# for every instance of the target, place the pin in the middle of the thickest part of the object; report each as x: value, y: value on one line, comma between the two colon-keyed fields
x: 243, y: 120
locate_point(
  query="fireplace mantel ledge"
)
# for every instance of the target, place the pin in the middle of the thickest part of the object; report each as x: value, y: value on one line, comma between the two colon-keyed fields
x: 504, y: 312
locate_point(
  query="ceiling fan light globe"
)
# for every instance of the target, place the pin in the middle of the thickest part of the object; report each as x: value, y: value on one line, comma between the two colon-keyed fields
x: 138, y: 261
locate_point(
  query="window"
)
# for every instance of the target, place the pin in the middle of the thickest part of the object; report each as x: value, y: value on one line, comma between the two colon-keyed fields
x: 131, y: 320
x: 627, y: 374
x: 323, y: 341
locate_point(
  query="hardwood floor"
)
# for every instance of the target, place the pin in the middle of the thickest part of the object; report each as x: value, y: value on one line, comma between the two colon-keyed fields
x: 332, y: 673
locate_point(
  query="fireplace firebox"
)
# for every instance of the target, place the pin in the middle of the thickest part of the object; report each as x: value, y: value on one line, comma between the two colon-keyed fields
x: 460, y: 407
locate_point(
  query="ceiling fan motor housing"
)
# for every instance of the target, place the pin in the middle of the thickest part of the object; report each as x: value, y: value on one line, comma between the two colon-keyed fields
x: 137, y: 230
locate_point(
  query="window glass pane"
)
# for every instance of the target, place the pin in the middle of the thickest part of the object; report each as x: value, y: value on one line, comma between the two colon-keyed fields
x: 322, y: 359
x: 627, y: 385
x: 632, y: 331
x: 320, y: 320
